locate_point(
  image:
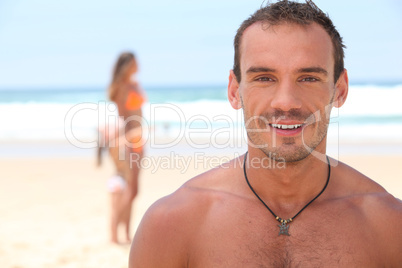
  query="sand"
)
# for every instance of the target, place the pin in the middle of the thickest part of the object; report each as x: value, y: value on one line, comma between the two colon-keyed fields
x: 54, y: 210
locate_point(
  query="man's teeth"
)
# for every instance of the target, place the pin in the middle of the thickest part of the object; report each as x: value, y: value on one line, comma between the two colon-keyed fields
x: 286, y: 126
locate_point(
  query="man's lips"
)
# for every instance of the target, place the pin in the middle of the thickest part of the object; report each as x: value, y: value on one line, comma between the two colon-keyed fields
x: 286, y: 126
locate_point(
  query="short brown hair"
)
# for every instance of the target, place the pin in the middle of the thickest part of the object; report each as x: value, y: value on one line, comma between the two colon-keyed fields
x: 292, y: 12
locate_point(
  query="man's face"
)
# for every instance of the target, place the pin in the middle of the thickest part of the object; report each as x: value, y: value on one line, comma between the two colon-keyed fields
x: 286, y: 88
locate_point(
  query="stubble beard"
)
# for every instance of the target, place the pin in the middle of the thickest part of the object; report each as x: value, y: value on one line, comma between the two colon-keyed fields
x: 285, y: 149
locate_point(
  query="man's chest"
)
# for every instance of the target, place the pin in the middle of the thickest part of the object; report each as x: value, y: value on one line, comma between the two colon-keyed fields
x: 258, y: 242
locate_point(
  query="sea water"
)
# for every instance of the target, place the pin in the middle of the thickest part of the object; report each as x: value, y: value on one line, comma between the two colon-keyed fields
x: 371, y: 114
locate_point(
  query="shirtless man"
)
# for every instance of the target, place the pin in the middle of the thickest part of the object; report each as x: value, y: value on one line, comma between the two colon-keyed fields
x: 288, y: 74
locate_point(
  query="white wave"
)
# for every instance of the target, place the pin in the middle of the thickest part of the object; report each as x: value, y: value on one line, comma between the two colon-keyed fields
x: 373, y: 101
x: 43, y: 121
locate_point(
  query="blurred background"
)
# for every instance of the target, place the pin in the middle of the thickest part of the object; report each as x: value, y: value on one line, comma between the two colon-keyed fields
x: 55, y: 54
x: 56, y: 59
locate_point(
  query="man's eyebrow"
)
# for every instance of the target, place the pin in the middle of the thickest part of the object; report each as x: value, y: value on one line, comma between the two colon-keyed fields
x: 313, y: 70
x: 260, y: 70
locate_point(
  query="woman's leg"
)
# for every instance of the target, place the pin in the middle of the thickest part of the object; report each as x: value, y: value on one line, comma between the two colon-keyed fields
x: 115, y: 215
x: 131, y: 190
x: 117, y: 186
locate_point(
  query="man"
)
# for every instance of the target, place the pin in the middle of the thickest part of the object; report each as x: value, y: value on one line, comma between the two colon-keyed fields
x: 310, y: 212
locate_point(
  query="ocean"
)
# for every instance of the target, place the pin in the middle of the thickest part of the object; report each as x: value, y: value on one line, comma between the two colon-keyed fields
x: 371, y: 114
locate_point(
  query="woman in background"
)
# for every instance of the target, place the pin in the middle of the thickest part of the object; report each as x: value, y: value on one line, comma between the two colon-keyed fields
x: 126, y: 142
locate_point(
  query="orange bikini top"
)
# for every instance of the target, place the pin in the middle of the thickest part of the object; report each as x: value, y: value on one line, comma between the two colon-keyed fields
x: 134, y: 101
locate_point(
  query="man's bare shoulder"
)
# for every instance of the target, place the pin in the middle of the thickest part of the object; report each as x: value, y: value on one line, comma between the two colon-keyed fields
x: 352, y: 184
x: 199, y: 192
x: 172, y: 222
x: 196, y: 193
x: 379, y: 210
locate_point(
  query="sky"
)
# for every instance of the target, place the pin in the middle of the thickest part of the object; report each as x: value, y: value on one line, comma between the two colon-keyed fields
x: 74, y: 43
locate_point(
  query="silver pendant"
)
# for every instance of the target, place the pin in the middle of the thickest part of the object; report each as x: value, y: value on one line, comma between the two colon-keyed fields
x: 283, y: 229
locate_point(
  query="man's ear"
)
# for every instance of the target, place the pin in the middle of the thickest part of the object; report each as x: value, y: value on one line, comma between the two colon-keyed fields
x: 342, y: 89
x: 233, y: 91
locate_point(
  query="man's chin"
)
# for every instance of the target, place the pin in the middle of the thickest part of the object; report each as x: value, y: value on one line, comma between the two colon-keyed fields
x: 287, y: 155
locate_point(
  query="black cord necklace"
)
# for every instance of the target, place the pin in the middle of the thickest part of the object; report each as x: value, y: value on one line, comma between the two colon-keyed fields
x: 283, y: 228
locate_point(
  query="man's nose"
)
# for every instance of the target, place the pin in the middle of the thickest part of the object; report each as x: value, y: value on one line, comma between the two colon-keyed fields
x: 286, y: 97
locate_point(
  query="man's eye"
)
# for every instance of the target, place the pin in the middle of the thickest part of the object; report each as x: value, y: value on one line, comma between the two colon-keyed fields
x: 264, y: 79
x: 309, y: 79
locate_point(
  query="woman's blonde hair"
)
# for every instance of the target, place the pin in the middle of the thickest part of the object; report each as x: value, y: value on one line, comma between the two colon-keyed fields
x: 123, y: 63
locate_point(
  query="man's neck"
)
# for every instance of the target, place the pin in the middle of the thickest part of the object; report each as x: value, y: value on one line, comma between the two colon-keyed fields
x: 292, y: 185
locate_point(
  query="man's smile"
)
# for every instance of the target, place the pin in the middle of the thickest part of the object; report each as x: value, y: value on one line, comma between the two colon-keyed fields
x: 282, y: 126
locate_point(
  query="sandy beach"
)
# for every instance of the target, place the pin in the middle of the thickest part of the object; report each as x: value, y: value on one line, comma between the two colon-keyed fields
x: 54, y: 210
